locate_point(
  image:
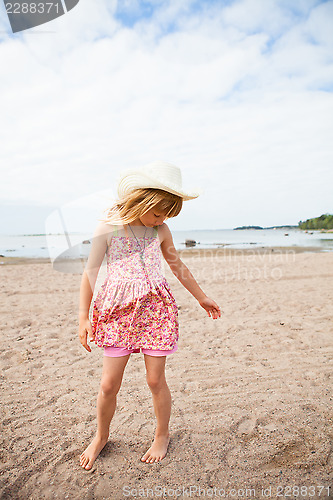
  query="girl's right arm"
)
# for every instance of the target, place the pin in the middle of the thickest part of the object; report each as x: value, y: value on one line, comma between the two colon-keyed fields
x: 89, y: 277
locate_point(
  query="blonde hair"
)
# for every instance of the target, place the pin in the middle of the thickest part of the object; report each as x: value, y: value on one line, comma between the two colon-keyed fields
x: 136, y: 203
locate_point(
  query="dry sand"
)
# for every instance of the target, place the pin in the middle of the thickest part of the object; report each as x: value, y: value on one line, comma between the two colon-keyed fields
x: 251, y: 391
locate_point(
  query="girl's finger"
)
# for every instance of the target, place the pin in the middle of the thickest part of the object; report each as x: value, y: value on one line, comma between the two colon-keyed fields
x: 85, y: 345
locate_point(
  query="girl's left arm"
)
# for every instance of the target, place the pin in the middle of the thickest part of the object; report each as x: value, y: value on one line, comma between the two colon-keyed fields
x: 184, y: 275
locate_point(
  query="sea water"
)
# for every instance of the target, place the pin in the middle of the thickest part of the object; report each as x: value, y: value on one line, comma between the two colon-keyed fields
x: 71, y: 245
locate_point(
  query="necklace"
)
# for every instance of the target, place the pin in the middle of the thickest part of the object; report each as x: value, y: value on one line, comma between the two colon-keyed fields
x: 141, y: 250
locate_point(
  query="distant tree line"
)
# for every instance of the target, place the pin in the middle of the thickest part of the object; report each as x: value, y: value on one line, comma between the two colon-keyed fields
x: 325, y: 221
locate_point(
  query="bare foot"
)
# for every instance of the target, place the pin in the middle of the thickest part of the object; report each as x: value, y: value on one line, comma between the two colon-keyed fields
x: 158, y: 449
x: 88, y: 457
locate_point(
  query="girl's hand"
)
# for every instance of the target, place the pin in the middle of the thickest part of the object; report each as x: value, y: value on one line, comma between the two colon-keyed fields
x: 85, y: 329
x: 211, y: 307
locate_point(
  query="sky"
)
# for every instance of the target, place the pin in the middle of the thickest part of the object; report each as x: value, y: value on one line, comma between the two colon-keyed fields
x: 237, y: 93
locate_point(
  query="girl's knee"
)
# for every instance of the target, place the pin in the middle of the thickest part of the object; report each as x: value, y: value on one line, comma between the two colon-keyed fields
x: 155, y: 382
x: 110, y: 387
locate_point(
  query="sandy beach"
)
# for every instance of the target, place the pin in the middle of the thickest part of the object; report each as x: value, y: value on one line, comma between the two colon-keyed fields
x: 251, y: 391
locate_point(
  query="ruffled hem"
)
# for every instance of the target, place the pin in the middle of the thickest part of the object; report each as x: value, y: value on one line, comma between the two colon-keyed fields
x: 147, y: 345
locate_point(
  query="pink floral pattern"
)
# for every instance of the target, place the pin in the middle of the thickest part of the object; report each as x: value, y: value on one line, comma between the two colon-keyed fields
x: 135, y: 306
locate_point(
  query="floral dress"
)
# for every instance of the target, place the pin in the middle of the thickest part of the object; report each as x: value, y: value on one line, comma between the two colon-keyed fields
x: 135, y: 307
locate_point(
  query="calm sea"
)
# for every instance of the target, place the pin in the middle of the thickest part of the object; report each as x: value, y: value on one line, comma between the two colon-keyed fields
x: 53, y: 245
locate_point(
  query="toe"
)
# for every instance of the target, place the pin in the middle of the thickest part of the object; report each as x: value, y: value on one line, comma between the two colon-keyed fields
x: 146, y: 456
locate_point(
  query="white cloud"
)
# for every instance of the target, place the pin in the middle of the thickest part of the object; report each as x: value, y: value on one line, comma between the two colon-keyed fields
x: 233, y: 95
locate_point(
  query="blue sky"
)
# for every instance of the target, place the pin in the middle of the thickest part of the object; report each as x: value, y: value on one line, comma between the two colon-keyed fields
x: 237, y: 93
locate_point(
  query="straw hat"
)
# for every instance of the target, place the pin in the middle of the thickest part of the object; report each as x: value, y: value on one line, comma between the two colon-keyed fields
x: 159, y: 175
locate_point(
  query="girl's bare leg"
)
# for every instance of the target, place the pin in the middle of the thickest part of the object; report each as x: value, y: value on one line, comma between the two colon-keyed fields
x: 113, y: 370
x: 155, y: 373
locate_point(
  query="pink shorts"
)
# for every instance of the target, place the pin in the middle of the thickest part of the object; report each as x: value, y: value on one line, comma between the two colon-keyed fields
x: 115, y: 352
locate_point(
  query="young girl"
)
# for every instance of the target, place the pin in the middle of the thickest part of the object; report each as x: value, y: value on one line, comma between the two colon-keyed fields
x: 135, y: 309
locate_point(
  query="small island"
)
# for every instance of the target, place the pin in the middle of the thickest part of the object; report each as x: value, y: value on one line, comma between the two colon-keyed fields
x: 247, y: 227
x: 259, y: 227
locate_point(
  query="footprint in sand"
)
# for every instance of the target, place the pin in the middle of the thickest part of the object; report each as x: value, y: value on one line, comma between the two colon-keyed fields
x: 246, y: 426
x: 289, y: 453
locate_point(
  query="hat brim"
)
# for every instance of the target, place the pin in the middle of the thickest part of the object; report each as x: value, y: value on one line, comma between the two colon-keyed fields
x: 134, y: 179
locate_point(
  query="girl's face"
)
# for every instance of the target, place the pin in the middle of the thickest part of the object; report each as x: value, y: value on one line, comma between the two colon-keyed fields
x: 154, y: 217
